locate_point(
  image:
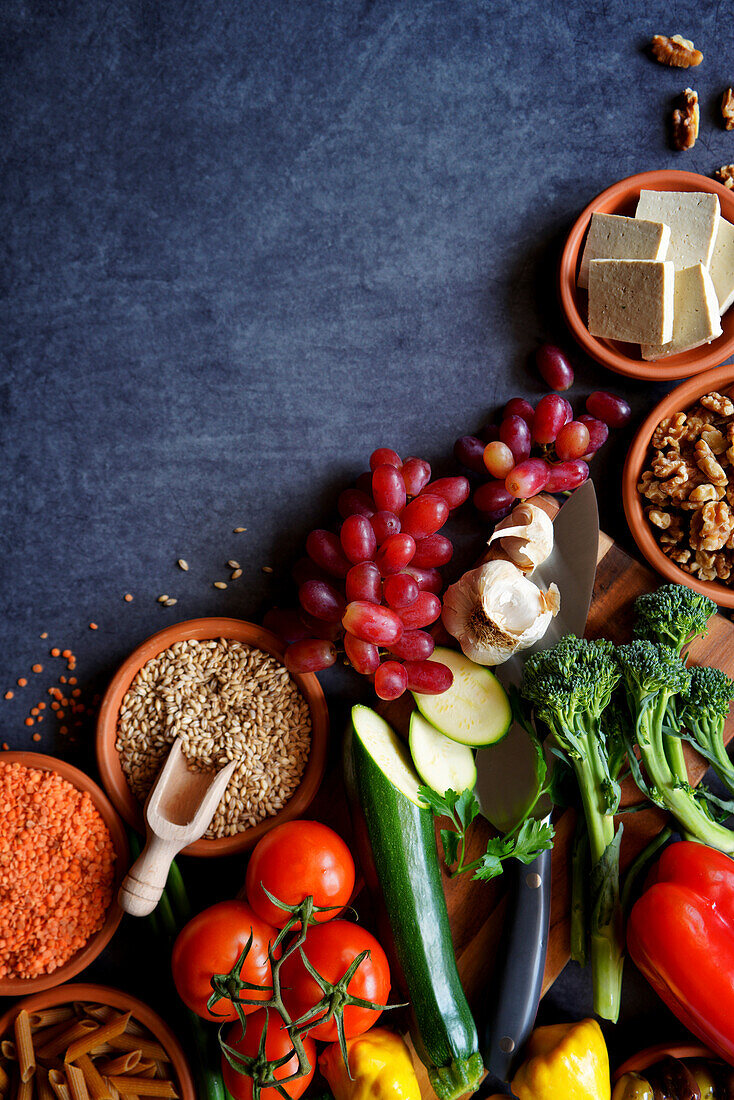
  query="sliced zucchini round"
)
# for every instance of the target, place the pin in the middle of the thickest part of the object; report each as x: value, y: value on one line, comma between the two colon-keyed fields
x: 475, y: 710
x: 441, y: 763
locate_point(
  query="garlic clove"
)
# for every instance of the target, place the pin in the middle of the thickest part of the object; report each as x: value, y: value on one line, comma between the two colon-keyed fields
x: 526, y: 535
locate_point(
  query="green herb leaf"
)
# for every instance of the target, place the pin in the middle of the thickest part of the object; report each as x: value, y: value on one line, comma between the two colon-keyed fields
x: 533, y: 838
x: 441, y: 804
x: 450, y: 841
x: 466, y: 807
x: 490, y: 866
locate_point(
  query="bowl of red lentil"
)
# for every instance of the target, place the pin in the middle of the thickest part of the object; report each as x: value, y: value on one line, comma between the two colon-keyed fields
x: 63, y: 854
x: 50, y: 1013
x: 220, y: 686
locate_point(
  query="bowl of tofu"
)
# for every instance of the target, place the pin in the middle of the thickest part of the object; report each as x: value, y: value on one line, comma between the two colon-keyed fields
x: 646, y: 278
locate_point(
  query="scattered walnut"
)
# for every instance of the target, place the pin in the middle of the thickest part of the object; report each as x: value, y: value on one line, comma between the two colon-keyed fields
x: 678, y: 556
x: 715, y: 440
x: 708, y: 465
x: 685, y: 120
x: 718, y: 403
x: 711, y: 527
x: 664, y: 465
x: 723, y: 567
x: 725, y: 175
x: 660, y: 519
x: 669, y: 432
x: 649, y: 487
x: 727, y: 108
x: 676, y: 51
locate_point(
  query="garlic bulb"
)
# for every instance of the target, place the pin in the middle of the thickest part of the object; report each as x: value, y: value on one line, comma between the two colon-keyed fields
x: 526, y: 536
x: 495, y: 610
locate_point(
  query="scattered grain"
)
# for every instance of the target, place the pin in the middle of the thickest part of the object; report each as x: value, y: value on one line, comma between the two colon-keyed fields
x: 183, y: 564
x: 226, y: 701
x: 233, y: 564
x: 239, y: 530
x: 170, y: 602
x: 163, y: 598
x: 45, y: 634
x: 220, y: 584
x: 267, y: 569
x: 237, y: 573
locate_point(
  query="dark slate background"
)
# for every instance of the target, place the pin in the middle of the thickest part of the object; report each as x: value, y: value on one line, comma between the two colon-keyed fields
x: 246, y: 243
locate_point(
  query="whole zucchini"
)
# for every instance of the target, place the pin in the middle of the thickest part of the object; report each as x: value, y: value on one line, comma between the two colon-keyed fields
x: 401, y: 836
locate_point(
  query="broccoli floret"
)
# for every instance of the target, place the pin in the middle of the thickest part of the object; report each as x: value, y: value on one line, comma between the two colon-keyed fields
x: 649, y: 667
x: 673, y: 615
x: 704, y: 712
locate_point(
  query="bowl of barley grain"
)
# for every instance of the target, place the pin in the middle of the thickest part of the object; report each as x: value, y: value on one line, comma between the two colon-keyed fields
x: 219, y: 685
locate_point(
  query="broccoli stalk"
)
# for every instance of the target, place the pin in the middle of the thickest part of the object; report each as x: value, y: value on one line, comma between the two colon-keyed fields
x: 655, y: 678
x: 704, y: 713
x: 570, y: 685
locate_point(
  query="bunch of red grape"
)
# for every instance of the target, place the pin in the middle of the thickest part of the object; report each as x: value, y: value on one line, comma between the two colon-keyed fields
x: 375, y: 585
x: 545, y: 448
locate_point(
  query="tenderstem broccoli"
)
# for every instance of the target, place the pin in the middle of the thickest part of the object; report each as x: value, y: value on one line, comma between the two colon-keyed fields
x: 570, y: 685
x: 703, y: 714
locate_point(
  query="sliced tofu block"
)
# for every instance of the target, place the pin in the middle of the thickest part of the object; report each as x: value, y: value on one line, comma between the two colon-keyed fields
x: 612, y: 237
x: 693, y: 217
x: 722, y: 265
x: 696, y: 319
x: 630, y: 297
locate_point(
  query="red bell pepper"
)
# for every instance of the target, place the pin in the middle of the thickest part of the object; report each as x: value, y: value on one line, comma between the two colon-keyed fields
x: 681, y: 936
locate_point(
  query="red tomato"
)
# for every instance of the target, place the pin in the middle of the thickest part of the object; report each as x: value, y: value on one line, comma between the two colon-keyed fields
x: 294, y: 860
x: 277, y: 1045
x: 331, y: 948
x: 211, y: 943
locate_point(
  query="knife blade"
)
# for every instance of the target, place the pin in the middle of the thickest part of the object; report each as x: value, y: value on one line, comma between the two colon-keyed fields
x: 507, y: 784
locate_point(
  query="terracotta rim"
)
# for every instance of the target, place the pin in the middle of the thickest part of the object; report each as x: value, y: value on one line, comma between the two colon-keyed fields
x: 237, y: 629
x: 619, y: 357
x: 18, y: 987
x: 682, y: 397
x: 638, y: 1063
x: 115, y: 998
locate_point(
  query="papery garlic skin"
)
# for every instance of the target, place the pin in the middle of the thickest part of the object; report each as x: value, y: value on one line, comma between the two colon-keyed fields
x: 495, y: 610
x: 526, y: 536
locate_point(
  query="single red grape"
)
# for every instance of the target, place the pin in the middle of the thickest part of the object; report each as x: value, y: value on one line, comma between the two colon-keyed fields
x: 567, y: 475
x: 424, y: 515
x: 395, y: 553
x: 428, y: 677
x: 515, y: 432
x: 572, y: 441
x: 598, y: 433
x: 388, y: 489
x: 310, y: 655
x: 364, y: 582
x: 423, y: 612
x: 364, y: 657
x: 614, y: 411
x: 401, y: 590
x: 353, y: 502
x: 432, y: 550
x: 493, y: 497
x: 518, y: 406
x: 428, y: 580
x: 391, y: 680
x: 322, y: 600
x: 454, y: 490
x: 550, y: 416
x: 528, y: 478
x: 415, y: 645
x: 416, y: 475
x: 358, y: 539
x: 384, y: 456
x: 384, y: 524
x: 554, y: 367
x: 372, y: 623
x: 286, y: 623
x: 469, y: 451
x: 499, y: 459
x: 324, y: 548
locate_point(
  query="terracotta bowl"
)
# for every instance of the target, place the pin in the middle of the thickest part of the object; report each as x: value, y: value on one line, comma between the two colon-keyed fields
x: 621, y: 198
x: 682, y: 397
x: 638, y: 1063
x: 115, y: 998
x: 16, y: 987
x: 108, y: 759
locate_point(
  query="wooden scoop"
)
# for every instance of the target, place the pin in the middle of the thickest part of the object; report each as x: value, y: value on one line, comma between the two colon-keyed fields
x: 177, y: 812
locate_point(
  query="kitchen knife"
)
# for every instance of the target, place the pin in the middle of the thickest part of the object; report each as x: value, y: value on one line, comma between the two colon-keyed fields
x: 507, y: 784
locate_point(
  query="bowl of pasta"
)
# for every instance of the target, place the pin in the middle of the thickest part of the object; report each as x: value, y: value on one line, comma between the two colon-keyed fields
x: 90, y: 1040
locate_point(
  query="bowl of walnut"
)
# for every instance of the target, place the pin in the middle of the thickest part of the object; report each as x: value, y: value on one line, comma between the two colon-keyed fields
x: 678, y: 485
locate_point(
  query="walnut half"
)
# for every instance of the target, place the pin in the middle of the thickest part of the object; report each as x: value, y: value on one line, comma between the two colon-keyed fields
x: 685, y: 120
x: 725, y: 175
x: 727, y: 109
x: 677, y: 51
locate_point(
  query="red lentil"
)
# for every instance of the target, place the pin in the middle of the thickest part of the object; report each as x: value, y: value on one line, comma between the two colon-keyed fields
x: 37, y: 668
x: 21, y: 681
x: 8, y: 694
x: 55, y: 652
x: 36, y: 737
x: 30, y: 721
x: 93, y: 626
x: 128, y: 598
x: 56, y: 871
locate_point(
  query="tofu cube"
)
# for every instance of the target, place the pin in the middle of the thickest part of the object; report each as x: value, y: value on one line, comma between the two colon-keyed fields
x: 696, y: 319
x: 693, y: 217
x: 612, y: 237
x: 631, y: 300
x: 722, y: 265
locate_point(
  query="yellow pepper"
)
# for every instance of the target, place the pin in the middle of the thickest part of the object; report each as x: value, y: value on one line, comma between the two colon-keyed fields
x: 381, y: 1066
x: 565, y: 1062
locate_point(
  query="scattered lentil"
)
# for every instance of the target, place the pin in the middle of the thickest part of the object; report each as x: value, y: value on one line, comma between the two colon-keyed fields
x: 44, y: 635
x: 37, y: 668
x: 55, y: 652
x: 93, y: 626
x: 226, y: 701
x: 21, y: 681
x: 36, y: 737
x: 127, y: 597
x: 66, y: 653
x: 9, y: 694
x: 29, y: 722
